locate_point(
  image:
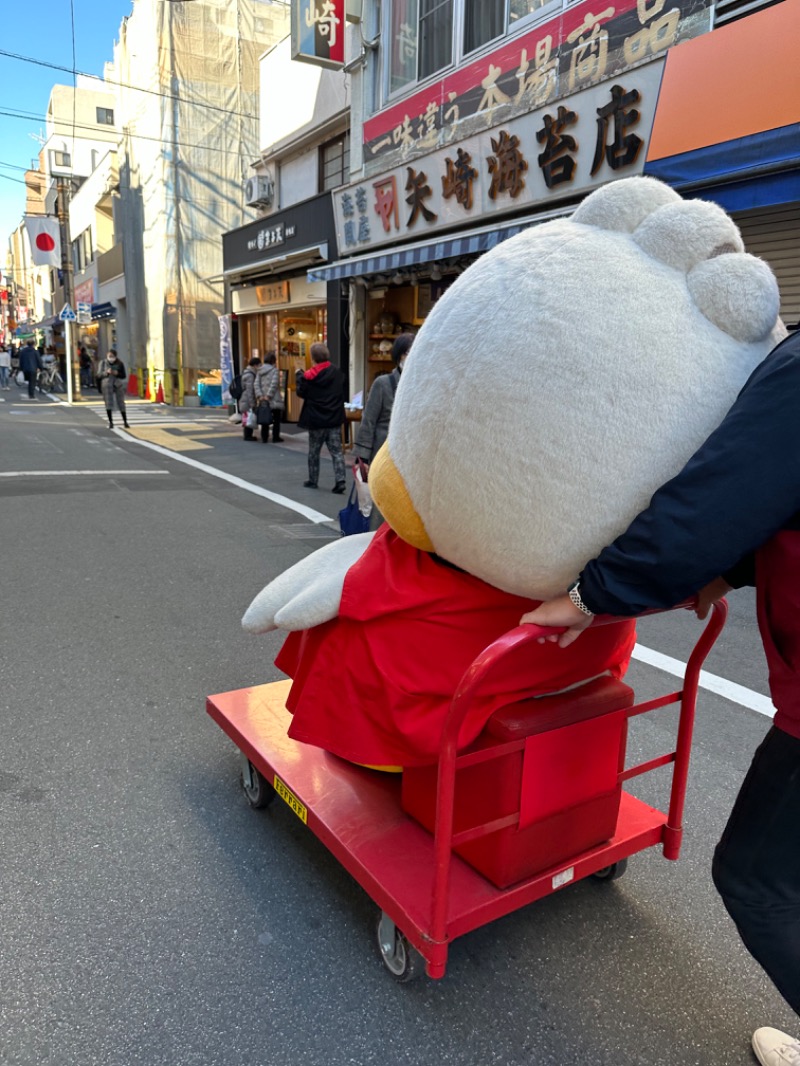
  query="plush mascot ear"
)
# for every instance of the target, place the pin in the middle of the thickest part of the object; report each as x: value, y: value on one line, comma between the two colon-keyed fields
x: 684, y: 234
x: 738, y: 293
x: 622, y: 205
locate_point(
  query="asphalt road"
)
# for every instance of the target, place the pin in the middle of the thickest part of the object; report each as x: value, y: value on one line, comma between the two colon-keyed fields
x: 149, y: 916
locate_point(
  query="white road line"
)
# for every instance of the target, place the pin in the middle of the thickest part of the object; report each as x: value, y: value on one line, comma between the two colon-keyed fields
x: 283, y: 501
x: 745, y: 697
x: 78, y: 473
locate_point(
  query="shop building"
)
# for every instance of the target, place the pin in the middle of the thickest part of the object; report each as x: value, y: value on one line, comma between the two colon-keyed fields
x: 274, y: 307
x: 504, y: 116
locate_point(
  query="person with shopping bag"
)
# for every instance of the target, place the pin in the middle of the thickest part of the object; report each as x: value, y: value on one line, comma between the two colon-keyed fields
x: 247, y: 401
x: 268, y: 399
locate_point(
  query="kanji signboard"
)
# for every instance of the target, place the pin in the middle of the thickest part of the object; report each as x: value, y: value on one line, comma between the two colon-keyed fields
x: 318, y: 32
x: 567, y: 148
x: 586, y: 43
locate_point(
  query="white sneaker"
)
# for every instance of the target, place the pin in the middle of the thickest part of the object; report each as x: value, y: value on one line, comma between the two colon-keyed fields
x: 774, y: 1048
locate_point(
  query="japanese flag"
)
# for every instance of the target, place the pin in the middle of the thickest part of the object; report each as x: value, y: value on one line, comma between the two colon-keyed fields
x: 45, y: 237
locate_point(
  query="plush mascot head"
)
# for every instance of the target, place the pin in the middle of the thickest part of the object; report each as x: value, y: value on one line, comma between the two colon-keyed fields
x: 565, y: 376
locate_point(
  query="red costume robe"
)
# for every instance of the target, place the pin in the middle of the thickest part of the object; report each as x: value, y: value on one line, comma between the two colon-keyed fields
x: 374, y: 684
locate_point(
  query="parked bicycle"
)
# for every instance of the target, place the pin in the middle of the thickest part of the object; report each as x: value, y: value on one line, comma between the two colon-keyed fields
x: 49, y: 379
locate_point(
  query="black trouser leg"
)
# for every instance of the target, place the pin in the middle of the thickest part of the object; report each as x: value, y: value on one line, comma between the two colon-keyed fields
x: 30, y: 377
x: 757, y: 862
x: 276, y: 424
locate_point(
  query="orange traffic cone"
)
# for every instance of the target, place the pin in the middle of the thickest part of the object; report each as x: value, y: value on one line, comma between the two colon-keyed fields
x: 160, y: 393
x: 147, y: 395
x: 133, y: 385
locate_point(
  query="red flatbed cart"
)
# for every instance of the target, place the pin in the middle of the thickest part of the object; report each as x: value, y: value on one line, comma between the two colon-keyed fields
x: 535, y: 804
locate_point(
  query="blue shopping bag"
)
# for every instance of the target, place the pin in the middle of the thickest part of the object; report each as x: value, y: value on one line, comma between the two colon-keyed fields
x: 351, y: 520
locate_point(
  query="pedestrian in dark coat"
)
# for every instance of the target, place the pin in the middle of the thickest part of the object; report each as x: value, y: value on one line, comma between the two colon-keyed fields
x: 321, y: 389
x: 111, y: 374
x: 30, y: 363
x: 247, y: 401
x: 374, y: 426
x: 734, y: 510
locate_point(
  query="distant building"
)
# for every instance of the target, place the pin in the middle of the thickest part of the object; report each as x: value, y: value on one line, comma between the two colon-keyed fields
x: 186, y: 82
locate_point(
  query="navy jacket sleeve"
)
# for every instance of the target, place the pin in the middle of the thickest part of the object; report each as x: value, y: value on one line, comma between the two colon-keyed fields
x: 736, y: 491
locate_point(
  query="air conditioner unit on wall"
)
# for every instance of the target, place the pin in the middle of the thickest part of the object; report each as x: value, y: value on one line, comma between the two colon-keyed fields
x: 259, y: 191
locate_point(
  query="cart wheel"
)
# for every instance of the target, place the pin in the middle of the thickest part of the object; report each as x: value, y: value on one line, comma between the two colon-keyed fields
x: 258, y: 790
x: 612, y: 872
x: 402, y: 960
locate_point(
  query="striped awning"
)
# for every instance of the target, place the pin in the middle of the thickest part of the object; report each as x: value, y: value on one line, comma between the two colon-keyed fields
x: 473, y: 242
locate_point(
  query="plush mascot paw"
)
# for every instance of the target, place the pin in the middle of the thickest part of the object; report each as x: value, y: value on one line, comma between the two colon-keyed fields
x: 309, y: 593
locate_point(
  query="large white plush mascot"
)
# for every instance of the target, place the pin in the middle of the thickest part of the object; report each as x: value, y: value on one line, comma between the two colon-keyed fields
x: 561, y: 380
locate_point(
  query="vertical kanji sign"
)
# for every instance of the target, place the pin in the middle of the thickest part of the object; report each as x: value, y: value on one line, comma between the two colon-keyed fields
x: 318, y: 32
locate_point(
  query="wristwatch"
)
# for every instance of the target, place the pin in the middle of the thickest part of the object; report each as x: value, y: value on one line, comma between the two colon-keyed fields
x: 574, y: 594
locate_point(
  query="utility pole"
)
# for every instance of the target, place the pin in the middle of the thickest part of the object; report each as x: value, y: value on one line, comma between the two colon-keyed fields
x: 72, y: 365
x: 176, y: 179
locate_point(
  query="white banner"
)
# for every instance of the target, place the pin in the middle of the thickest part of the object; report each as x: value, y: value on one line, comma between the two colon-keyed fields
x: 44, y: 234
x: 225, y: 356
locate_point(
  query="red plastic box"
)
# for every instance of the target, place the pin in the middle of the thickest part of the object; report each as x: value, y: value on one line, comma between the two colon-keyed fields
x: 554, y: 784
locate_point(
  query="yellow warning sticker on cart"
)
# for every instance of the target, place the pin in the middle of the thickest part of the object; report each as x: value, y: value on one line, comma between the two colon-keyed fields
x: 289, y: 798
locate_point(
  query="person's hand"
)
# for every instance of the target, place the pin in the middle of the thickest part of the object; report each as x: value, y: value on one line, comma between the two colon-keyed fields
x: 559, y: 612
x: 709, y: 595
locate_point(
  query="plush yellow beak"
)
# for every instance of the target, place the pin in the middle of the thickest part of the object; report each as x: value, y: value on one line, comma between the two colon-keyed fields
x: 393, y: 501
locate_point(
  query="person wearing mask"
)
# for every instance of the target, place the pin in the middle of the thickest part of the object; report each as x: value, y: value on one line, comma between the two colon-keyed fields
x: 731, y: 517
x: 111, y: 375
x: 374, y: 426
x: 247, y: 401
x: 321, y: 388
x: 267, y: 391
x: 30, y: 363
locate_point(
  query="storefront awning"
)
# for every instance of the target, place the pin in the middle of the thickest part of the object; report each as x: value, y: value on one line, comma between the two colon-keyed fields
x: 278, y: 264
x: 739, y: 144
x: 106, y: 310
x: 473, y: 242
x: 46, y: 323
x: 761, y: 170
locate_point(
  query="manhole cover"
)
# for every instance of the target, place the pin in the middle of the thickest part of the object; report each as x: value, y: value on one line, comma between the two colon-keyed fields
x: 308, y: 531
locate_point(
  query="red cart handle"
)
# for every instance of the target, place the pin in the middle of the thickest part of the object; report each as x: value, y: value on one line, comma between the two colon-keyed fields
x: 472, y: 680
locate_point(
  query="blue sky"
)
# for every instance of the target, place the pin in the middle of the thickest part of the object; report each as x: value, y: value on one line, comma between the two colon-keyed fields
x: 27, y: 86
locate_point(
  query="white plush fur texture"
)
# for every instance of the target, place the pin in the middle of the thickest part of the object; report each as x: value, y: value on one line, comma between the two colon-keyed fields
x: 308, y: 593
x: 572, y: 371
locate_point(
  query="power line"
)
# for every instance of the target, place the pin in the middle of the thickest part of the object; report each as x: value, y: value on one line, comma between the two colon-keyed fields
x: 29, y: 117
x: 8, y: 177
x: 121, y: 84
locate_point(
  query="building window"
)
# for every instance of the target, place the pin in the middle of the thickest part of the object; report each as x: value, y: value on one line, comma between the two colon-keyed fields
x: 61, y: 159
x: 522, y: 9
x: 421, y: 32
x: 435, y: 36
x: 483, y: 21
x: 105, y: 116
x: 88, y: 250
x: 334, y: 163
